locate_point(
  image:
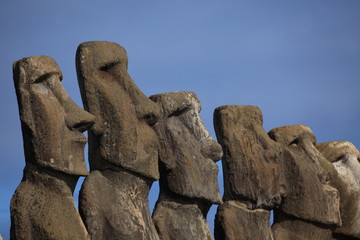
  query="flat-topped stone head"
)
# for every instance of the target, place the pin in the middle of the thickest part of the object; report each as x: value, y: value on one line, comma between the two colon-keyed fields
x: 187, y: 151
x: 52, y: 124
x: 251, y: 158
x: 307, y: 176
x: 122, y: 135
x: 345, y: 158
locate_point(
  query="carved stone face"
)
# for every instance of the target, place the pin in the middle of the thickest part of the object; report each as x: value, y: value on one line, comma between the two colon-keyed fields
x: 250, y: 162
x: 187, y: 151
x: 52, y: 123
x: 122, y: 134
x: 307, y: 176
x: 345, y: 158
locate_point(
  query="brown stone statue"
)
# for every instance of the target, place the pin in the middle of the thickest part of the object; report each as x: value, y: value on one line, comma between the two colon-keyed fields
x: 310, y: 207
x: 188, y: 183
x: 123, y: 147
x: 52, y: 125
x: 345, y: 158
x: 251, y: 174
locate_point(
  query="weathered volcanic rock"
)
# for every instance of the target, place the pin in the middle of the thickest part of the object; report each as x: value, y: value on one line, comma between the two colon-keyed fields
x: 251, y: 174
x: 123, y: 147
x: 43, y: 208
x: 122, y: 134
x: 250, y: 162
x: 187, y: 151
x: 288, y: 228
x: 188, y: 183
x: 345, y: 158
x: 236, y: 222
x: 309, y: 197
x: 180, y: 221
x: 115, y: 206
x: 52, y: 124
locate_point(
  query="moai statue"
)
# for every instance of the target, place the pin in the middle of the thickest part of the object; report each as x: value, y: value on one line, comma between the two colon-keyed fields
x: 310, y: 207
x: 252, y: 184
x: 123, y: 147
x: 52, y: 124
x: 188, y: 182
x: 345, y: 158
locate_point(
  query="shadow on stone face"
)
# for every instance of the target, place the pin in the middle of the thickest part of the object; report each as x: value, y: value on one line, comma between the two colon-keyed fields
x: 52, y: 124
x: 345, y: 158
x: 123, y: 147
x: 188, y: 183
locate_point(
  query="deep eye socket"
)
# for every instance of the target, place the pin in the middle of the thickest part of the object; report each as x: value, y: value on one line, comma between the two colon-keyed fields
x: 107, y: 67
x: 343, y: 158
x: 46, y: 76
x: 294, y: 143
x: 179, y: 111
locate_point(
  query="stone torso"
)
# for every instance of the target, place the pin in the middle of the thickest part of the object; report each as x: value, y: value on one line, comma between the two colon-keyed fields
x: 43, y: 208
x: 114, y: 206
x: 180, y: 221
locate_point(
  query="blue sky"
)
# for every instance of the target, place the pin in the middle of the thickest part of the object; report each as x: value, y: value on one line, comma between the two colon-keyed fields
x: 299, y: 61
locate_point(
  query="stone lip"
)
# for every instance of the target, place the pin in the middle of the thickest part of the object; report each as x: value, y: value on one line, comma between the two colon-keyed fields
x: 122, y: 133
x: 187, y: 151
x: 251, y: 159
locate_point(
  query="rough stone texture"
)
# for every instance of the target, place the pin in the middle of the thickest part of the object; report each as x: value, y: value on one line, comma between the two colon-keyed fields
x: 43, y: 208
x: 288, y: 228
x: 345, y: 158
x: 250, y: 162
x: 236, y: 222
x: 251, y: 174
x: 180, y: 221
x: 122, y: 134
x: 188, y: 183
x: 187, y: 151
x: 115, y: 206
x: 309, y: 197
x: 52, y: 124
x: 121, y: 144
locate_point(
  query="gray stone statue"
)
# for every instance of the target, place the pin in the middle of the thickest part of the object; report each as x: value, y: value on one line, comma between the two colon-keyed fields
x: 52, y: 125
x: 252, y: 185
x: 123, y: 147
x: 310, y: 207
x: 188, y: 182
x: 345, y: 158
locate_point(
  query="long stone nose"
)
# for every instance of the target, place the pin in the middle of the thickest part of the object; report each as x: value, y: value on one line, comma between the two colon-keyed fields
x: 77, y: 118
x: 211, y: 149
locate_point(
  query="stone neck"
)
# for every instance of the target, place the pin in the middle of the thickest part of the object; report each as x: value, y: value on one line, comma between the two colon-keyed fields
x: 168, y: 196
x: 57, y: 182
x: 298, y: 229
x: 135, y: 185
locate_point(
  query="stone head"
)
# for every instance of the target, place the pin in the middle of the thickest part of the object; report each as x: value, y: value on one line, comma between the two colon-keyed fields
x: 187, y: 151
x: 251, y: 158
x: 122, y: 135
x: 345, y: 158
x: 52, y: 123
x: 307, y: 176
